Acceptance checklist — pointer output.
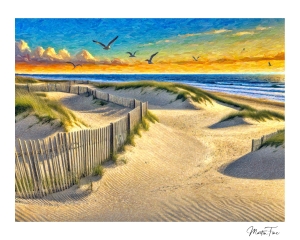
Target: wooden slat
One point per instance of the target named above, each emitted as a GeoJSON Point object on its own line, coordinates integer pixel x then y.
{"type": "Point", "coordinates": [56, 172]}
{"type": "Point", "coordinates": [24, 172]}
{"type": "Point", "coordinates": [76, 155]}
{"type": "Point", "coordinates": [67, 136]}
{"type": "Point", "coordinates": [20, 180]}
{"type": "Point", "coordinates": [82, 153]}
{"type": "Point", "coordinates": [27, 169]}
{"type": "Point", "coordinates": [32, 170]}
{"type": "Point", "coordinates": [37, 167]}
{"type": "Point", "coordinates": [47, 183]}
{"type": "Point", "coordinates": [60, 162]}
{"type": "Point", "coordinates": [63, 158]}
{"type": "Point", "coordinates": [49, 164]}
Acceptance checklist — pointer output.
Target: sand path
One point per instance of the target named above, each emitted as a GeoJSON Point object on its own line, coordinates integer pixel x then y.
{"type": "Point", "coordinates": [175, 173]}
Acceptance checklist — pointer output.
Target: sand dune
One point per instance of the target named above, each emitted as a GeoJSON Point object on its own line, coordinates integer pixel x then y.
{"type": "Point", "coordinates": [175, 172]}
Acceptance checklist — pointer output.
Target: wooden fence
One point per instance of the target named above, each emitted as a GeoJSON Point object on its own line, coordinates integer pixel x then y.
{"type": "Point", "coordinates": [56, 163]}
{"type": "Point", "coordinates": [257, 143]}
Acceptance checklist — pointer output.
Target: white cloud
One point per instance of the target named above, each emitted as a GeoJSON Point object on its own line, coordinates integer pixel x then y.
{"type": "Point", "coordinates": [38, 53]}
{"type": "Point", "coordinates": [205, 33]}
{"type": "Point", "coordinates": [190, 35]}
{"type": "Point", "coordinates": [260, 28]}
{"type": "Point", "coordinates": [64, 54]}
{"type": "Point", "coordinates": [85, 56]}
{"type": "Point", "coordinates": [218, 31]}
{"type": "Point", "coordinates": [243, 33]}
{"type": "Point", "coordinates": [22, 51]}
{"type": "Point", "coordinates": [51, 55]}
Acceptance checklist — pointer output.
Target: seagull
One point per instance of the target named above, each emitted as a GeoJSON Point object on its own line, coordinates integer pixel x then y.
{"type": "Point", "coordinates": [74, 66]}
{"type": "Point", "coordinates": [270, 64]}
{"type": "Point", "coordinates": [131, 55]}
{"type": "Point", "coordinates": [150, 60]}
{"type": "Point", "coordinates": [196, 59]}
{"type": "Point", "coordinates": [243, 50]}
{"type": "Point", "coordinates": [106, 47]}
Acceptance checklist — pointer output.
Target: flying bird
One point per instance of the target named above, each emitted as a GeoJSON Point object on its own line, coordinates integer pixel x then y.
{"type": "Point", "coordinates": [131, 55]}
{"type": "Point", "coordinates": [196, 59]}
{"type": "Point", "coordinates": [74, 65]}
{"type": "Point", "coordinates": [106, 47]}
{"type": "Point", "coordinates": [270, 64]}
{"type": "Point", "coordinates": [150, 60]}
{"type": "Point", "coordinates": [243, 50]}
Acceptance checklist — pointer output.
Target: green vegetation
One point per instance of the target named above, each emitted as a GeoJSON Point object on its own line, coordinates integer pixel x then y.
{"type": "Point", "coordinates": [258, 115]}
{"type": "Point", "coordinates": [23, 79]}
{"type": "Point", "coordinates": [151, 117]}
{"type": "Point", "coordinates": [100, 102]}
{"type": "Point", "coordinates": [275, 140]}
{"type": "Point", "coordinates": [98, 171]}
{"type": "Point", "coordinates": [44, 109]}
{"type": "Point", "coordinates": [20, 79]}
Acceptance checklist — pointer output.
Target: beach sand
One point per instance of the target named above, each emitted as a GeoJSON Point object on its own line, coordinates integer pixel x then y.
{"type": "Point", "coordinates": [187, 167]}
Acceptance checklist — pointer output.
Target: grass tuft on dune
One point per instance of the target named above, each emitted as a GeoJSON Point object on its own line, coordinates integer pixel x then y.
{"type": "Point", "coordinates": [44, 109]}
{"type": "Point", "coordinates": [257, 115]}
{"type": "Point", "coordinates": [21, 79]}
{"type": "Point", "coordinates": [275, 140]}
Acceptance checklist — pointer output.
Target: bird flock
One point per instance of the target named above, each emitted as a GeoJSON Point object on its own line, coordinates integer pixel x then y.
{"type": "Point", "coordinates": [108, 46]}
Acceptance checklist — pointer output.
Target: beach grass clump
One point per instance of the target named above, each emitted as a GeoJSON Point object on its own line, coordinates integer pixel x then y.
{"type": "Point", "coordinates": [98, 170]}
{"type": "Point", "coordinates": [145, 124]}
{"type": "Point", "coordinates": [276, 140]}
{"type": "Point", "coordinates": [100, 102]}
{"type": "Point", "coordinates": [151, 117]}
{"type": "Point", "coordinates": [44, 109]}
{"type": "Point", "coordinates": [22, 79]}
{"type": "Point", "coordinates": [257, 115]}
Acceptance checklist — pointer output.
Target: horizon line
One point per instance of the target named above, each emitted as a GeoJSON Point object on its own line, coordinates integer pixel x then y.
{"type": "Point", "coordinates": [263, 73]}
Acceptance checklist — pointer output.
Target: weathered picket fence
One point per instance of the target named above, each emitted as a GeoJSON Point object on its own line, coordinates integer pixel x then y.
{"type": "Point", "coordinates": [257, 143]}
{"type": "Point", "coordinates": [53, 164]}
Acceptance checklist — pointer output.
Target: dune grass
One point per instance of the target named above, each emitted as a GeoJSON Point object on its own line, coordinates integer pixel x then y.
{"type": "Point", "coordinates": [98, 170]}
{"type": "Point", "coordinates": [24, 79]}
{"type": "Point", "coordinates": [275, 140]}
{"type": "Point", "coordinates": [44, 109]}
{"type": "Point", "coordinates": [21, 79]}
{"type": "Point", "coordinates": [257, 115]}
{"type": "Point", "coordinates": [198, 95]}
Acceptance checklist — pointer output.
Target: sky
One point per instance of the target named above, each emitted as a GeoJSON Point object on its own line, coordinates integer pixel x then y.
{"type": "Point", "coordinates": [220, 45]}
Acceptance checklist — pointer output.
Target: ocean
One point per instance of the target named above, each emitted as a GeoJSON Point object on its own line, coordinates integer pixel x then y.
{"type": "Point", "coordinates": [267, 86]}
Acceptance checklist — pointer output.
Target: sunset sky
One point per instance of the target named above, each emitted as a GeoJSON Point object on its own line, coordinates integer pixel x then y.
{"type": "Point", "coordinates": [44, 45]}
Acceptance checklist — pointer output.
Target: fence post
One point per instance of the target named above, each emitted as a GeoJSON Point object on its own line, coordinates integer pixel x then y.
{"type": "Point", "coordinates": [128, 122]}
{"type": "Point", "coordinates": [78, 90]}
{"type": "Point", "coordinates": [112, 134]}
{"type": "Point", "coordinates": [141, 109]}
{"type": "Point", "coordinates": [28, 87]}
{"type": "Point", "coordinates": [134, 103]}
{"type": "Point", "coordinates": [108, 97]}
{"type": "Point", "coordinates": [252, 147]}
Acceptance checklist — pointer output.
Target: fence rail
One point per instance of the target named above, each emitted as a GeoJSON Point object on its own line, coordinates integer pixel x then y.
{"type": "Point", "coordinates": [257, 143]}
{"type": "Point", "coordinates": [53, 164]}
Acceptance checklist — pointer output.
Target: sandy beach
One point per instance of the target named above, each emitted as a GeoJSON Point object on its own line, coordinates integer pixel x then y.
{"type": "Point", "coordinates": [186, 168]}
